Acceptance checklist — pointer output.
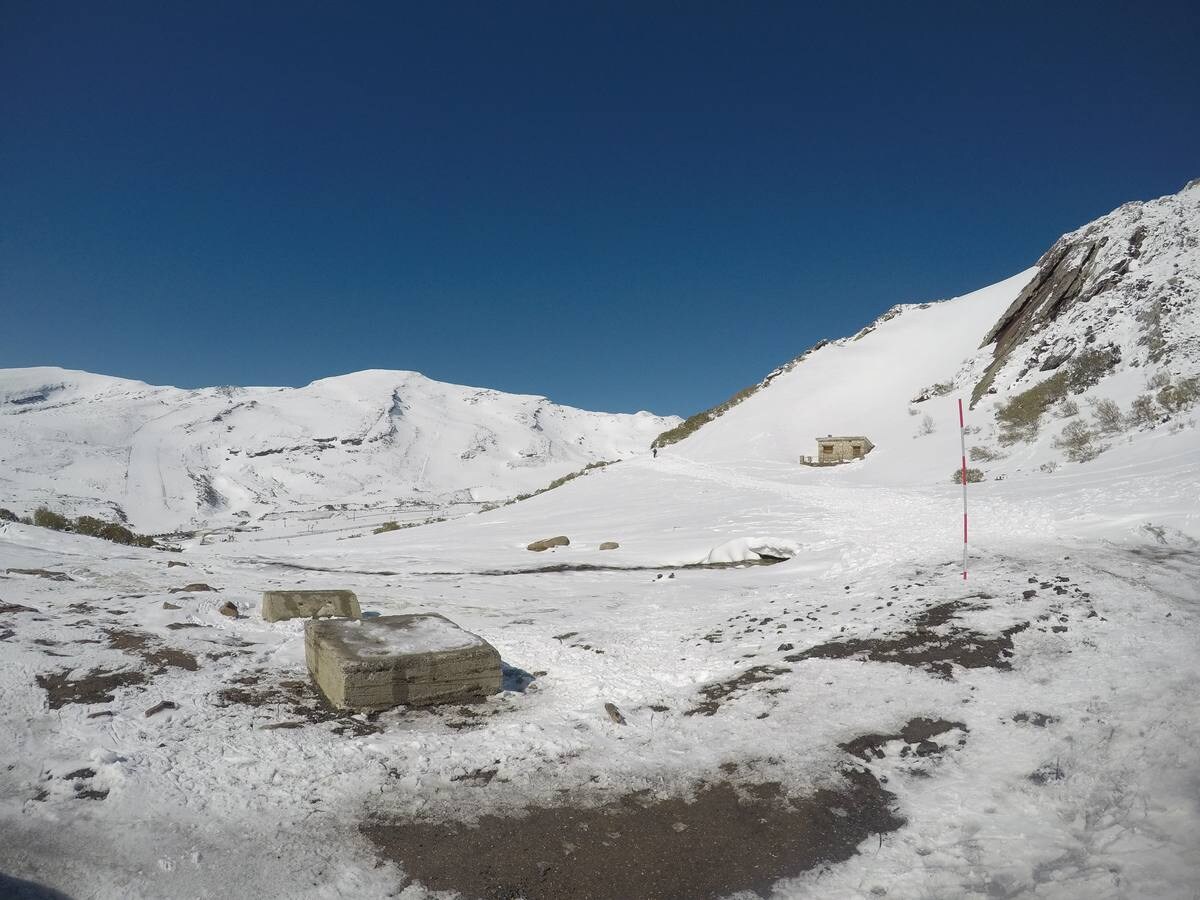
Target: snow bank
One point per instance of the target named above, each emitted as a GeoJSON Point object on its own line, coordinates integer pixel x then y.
{"type": "Point", "coordinates": [750, 549]}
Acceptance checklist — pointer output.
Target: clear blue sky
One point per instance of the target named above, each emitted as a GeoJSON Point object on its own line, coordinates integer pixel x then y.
{"type": "Point", "coordinates": [621, 206]}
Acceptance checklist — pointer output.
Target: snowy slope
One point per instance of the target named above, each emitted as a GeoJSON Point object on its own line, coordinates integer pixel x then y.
{"type": "Point", "coordinates": [863, 385]}
{"type": "Point", "coordinates": [167, 458]}
{"type": "Point", "coordinates": [1125, 288]}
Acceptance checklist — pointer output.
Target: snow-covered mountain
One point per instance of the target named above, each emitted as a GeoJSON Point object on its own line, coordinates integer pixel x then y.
{"type": "Point", "coordinates": [164, 458]}
{"type": "Point", "coordinates": [1110, 314]}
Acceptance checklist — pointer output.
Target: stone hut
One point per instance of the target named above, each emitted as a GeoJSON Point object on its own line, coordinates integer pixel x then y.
{"type": "Point", "coordinates": [835, 449]}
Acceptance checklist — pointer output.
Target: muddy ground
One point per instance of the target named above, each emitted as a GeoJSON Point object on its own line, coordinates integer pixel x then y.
{"type": "Point", "coordinates": [727, 838]}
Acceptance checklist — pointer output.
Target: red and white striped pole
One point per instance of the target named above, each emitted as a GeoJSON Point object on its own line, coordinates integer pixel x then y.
{"type": "Point", "coordinates": [962, 434]}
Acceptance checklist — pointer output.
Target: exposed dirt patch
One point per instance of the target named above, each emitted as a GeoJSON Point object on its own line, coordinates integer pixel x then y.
{"type": "Point", "coordinates": [148, 648]}
{"type": "Point", "coordinates": [719, 692]}
{"type": "Point", "coordinates": [96, 686]}
{"type": "Point", "coordinates": [1036, 719]}
{"type": "Point", "coordinates": [918, 734]}
{"type": "Point", "coordinates": [15, 608]}
{"type": "Point", "coordinates": [931, 643]}
{"type": "Point", "coordinates": [40, 573]}
{"type": "Point", "coordinates": [1047, 773]}
{"type": "Point", "coordinates": [480, 776]}
{"type": "Point", "coordinates": [723, 841]}
{"type": "Point", "coordinates": [295, 698]}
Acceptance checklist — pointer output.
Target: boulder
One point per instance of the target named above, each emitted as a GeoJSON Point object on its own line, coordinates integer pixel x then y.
{"type": "Point", "coordinates": [546, 543]}
{"type": "Point", "coordinates": [228, 609]}
{"type": "Point", "coordinates": [412, 660]}
{"type": "Point", "coordinates": [280, 605]}
{"type": "Point", "coordinates": [610, 545]}
{"type": "Point", "coordinates": [193, 588]}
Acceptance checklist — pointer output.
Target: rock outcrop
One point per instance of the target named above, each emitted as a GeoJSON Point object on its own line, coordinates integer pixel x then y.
{"type": "Point", "coordinates": [546, 543]}
{"type": "Point", "coordinates": [1130, 277]}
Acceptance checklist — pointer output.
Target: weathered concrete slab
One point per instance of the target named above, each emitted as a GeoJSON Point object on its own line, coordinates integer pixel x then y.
{"type": "Point", "coordinates": [280, 605]}
{"type": "Point", "coordinates": [411, 660]}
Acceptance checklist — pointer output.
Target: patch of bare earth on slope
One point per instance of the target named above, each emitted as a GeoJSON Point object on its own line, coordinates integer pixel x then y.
{"type": "Point", "coordinates": [98, 685]}
{"type": "Point", "coordinates": [933, 642]}
{"type": "Point", "coordinates": [294, 702]}
{"type": "Point", "coordinates": [719, 692]}
{"type": "Point", "coordinates": [724, 839]}
{"type": "Point", "coordinates": [94, 686]}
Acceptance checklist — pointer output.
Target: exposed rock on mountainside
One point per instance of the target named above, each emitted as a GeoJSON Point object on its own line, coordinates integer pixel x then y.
{"type": "Point", "coordinates": [1105, 329]}
{"type": "Point", "coordinates": [1130, 278]}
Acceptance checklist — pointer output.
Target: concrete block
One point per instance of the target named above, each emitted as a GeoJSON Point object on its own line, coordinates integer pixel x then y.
{"type": "Point", "coordinates": [411, 660]}
{"type": "Point", "coordinates": [280, 605]}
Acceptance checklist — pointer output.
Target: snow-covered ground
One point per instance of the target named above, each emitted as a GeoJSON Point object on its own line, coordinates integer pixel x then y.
{"type": "Point", "coordinates": [206, 799]}
{"type": "Point", "coordinates": [1063, 668]}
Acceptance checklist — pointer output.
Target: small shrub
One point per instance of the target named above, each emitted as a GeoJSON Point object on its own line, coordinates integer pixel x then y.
{"type": "Point", "coordinates": [45, 518]}
{"type": "Point", "coordinates": [972, 429]}
{"type": "Point", "coordinates": [559, 482]}
{"type": "Point", "coordinates": [913, 411]}
{"type": "Point", "coordinates": [692, 423]}
{"type": "Point", "coordinates": [1181, 395]}
{"type": "Point", "coordinates": [985, 454]}
{"type": "Point", "coordinates": [88, 525]}
{"type": "Point", "coordinates": [1079, 442]}
{"type": "Point", "coordinates": [1152, 335]}
{"type": "Point", "coordinates": [974, 476]}
{"type": "Point", "coordinates": [387, 526]}
{"type": "Point", "coordinates": [1048, 467]}
{"type": "Point", "coordinates": [1066, 409]}
{"type": "Point", "coordinates": [941, 389]}
{"type": "Point", "coordinates": [1021, 417]}
{"type": "Point", "coordinates": [1107, 415]}
{"type": "Point", "coordinates": [927, 426]}
{"type": "Point", "coordinates": [118, 534]}
{"type": "Point", "coordinates": [1157, 380]}
{"type": "Point", "coordinates": [1143, 412]}
{"type": "Point", "coordinates": [1089, 366]}
{"type": "Point", "coordinates": [7, 515]}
